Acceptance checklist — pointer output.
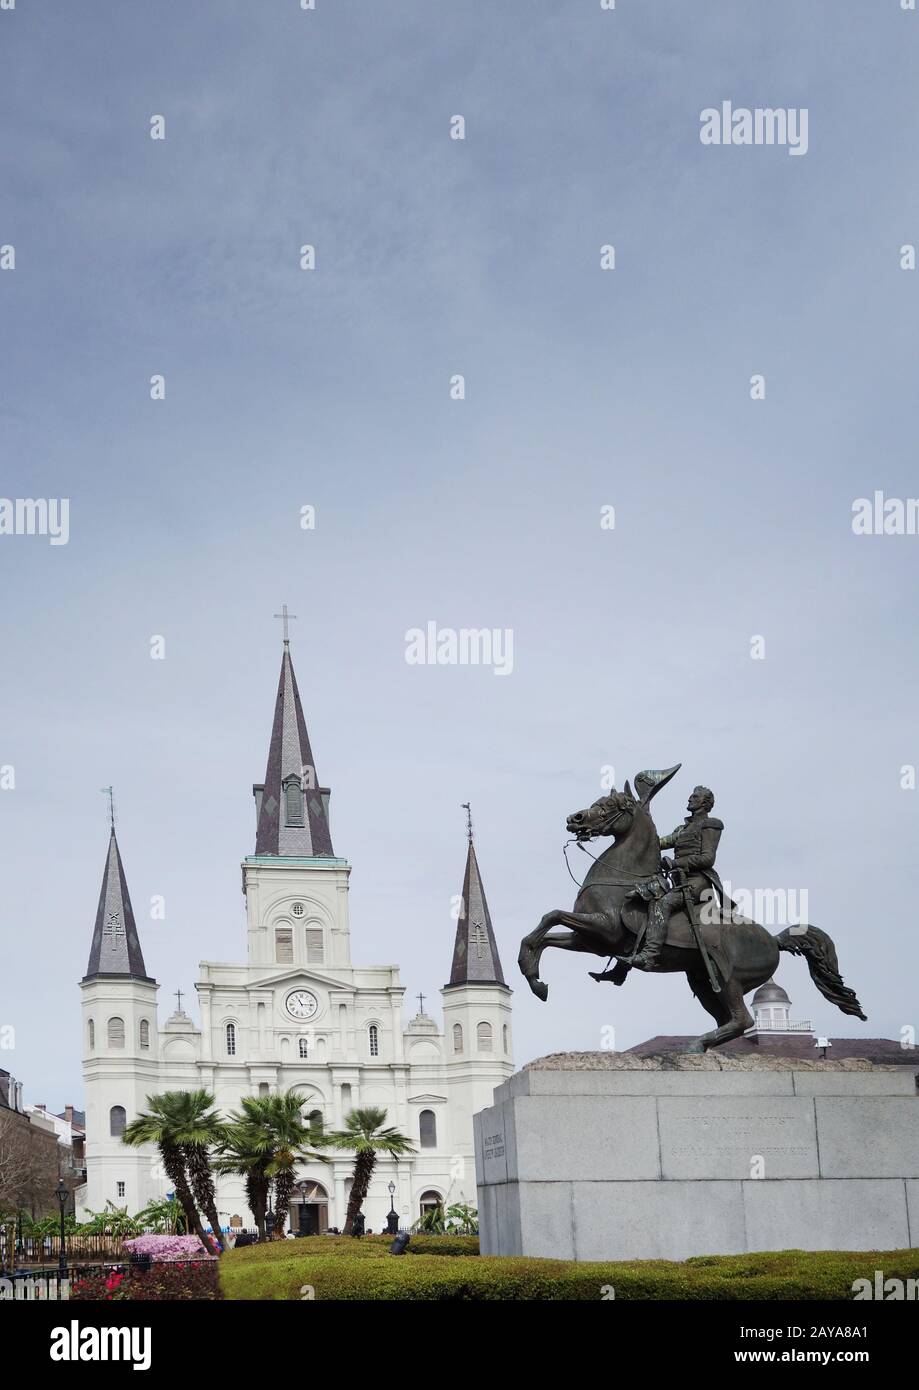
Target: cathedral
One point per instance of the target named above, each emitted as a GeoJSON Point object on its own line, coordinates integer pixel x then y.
{"type": "Point", "coordinates": [295, 1014]}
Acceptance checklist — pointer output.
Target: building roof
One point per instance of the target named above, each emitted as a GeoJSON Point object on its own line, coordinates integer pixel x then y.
{"type": "Point", "coordinates": [475, 951]}
{"type": "Point", "coordinates": [885, 1050]}
{"type": "Point", "coordinates": [290, 756]}
{"type": "Point", "coordinates": [115, 948]}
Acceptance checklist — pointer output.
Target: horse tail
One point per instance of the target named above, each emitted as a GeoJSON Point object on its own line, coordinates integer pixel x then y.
{"type": "Point", "coordinates": [818, 950]}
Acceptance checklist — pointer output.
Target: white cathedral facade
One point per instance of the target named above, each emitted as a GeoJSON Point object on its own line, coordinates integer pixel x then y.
{"type": "Point", "coordinates": [295, 1014]}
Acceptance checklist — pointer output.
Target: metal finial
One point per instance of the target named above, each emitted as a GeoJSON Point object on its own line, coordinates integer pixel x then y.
{"type": "Point", "coordinates": [109, 792]}
{"type": "Point", "coordinates": [468, 809]}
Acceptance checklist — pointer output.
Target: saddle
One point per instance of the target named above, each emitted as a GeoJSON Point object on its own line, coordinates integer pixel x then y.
{"type": "Point", "coordinates": [634, 915]}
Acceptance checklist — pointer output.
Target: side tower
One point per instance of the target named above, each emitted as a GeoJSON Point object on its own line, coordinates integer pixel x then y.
{"type": "Point", "coordinates": [120, 1048]}
{"type": "Point", "coordinates": [477, 1015]}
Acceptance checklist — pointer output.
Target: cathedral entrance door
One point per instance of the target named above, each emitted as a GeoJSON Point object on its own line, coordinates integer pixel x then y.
{"type": "Point", "coordinates": [312, 1212]}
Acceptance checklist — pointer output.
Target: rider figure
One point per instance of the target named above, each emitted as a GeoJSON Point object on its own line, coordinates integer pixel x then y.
{"type": "Point", "coordinates": [695, 844]}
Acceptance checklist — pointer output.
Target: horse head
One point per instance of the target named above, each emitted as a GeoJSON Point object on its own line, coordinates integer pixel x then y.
{"type": "Point", "coordinates": [616, 813]}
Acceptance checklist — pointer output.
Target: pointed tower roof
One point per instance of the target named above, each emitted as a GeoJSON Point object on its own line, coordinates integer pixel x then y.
{"type": "Point", "coordinates": [116, 945]}
{"type": "Point", "coordinates": [284, 826]}
{"type": "Point", "coordinates": [475, 952]}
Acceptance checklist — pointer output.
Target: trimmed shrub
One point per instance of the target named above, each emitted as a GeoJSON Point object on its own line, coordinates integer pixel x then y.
{"type": "Point", "coordinates": [342, 1274]}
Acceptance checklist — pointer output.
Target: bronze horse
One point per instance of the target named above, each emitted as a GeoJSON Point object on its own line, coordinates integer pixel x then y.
{"type": "Point", "coordinates": [607, 915]}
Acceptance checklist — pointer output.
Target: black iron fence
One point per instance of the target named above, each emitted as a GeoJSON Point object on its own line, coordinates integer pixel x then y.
{"type": "Point", "coordinates": [37, 1285]}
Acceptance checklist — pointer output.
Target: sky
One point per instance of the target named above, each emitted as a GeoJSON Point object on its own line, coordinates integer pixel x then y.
{"type": "Point", "coordinates": [730, 619]}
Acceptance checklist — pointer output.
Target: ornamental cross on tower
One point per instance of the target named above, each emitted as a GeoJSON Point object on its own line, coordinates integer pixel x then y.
{"type": "Point", "coordinates": [109, 792]}
{"type": "Point", "coordinates": [286, 618]}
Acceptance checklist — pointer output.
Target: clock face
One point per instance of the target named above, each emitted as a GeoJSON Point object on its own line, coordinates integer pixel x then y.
{"type": "Point", "coordinates": [300, 1003]}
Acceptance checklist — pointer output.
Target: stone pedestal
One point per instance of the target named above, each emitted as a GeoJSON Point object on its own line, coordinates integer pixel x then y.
{"type": "Point", "coordinates": [607, 1156]}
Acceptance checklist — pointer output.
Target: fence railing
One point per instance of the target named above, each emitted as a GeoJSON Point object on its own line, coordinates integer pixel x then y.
{"type": "Point", "coordinates": [46, 1285]}
{"type": "Point", "coordinates": [45, 1250]}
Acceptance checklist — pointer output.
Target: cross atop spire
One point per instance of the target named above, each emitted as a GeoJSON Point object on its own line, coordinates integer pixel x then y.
{"type": "Point", "coordinates": [110, 793]}
{"type": "Point", "coordinates": [291, 807]}
{"type": "Point", "coordinates": [475, 952]}
{"type": "Point", "coordinates": [115, 948]}
{"type": "Point", "coordinates": [286, 617]}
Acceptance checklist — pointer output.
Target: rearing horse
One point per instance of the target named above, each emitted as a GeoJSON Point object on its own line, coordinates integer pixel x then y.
{"type": "Point", "coordinates": [607, 916]}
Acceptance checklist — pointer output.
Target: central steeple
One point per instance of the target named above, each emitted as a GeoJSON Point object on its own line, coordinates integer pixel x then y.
{"type": "Point", "coordinates": [292, 808]}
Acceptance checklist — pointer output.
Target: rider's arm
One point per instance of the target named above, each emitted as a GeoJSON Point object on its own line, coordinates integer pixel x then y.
{"type": "Point", "coordinates": [668, 841]}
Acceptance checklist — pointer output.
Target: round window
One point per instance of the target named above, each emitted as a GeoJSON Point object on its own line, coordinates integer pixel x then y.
{"type": "Point", "coordinates": [298, 909]}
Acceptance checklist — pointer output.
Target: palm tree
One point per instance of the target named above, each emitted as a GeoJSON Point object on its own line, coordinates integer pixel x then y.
{"type": "Point", "coordinates": [290, 1136]}
{"type": "Point", "coordinates": [364, 1134]}
{"type": "Point", "coordinates": [243, 1153]}
{"type": "Point", "coordinates": [265, 1140]}
{"type": "Point", "coordinates": [182, 1125]}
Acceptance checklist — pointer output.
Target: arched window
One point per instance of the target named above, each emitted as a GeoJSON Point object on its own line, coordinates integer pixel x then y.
{"type": "Point", "coordinates": [314, 1120]}
{"type": "Point", "coordinates": [315, 946]}
{"type": "Point", "coordinates": [427, 1129]}
{"type": "Point", "coordinates": [284, 945]}
{"type": "Point", "coordinates": [231, 1039]}
{"type": "Point", "coordinates": [116, 1121]}
{"type": "Point", "coordinates": [484, 1037]}
{"type": "Point", "coordinates": [303, 1047]}
{"type": "Point", "coordinates": [457, 1037]}
{"type": "Point", "coordinates": [506, 1049]}
{"type": "Point", "coordinates": [116, 1032]}
{"type": "Point", "coordinates": [430, 1201]}
{"type": "Point", "coordinates": [293, 800]}
{"type": "Point", "coordinates": [144, 1033]}
{"type": "Point", "coordinates": [373, 1035]}
{"type": "Point", "coordinates": [92, 1035]}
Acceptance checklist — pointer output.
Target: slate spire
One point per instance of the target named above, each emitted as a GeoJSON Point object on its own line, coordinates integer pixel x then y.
{"type": "Point", "coordinates": [291, 807]}
{"type": "Point", "coordinates": [475, 952]}
{"type": "Point", "coordinates": [115, 948]}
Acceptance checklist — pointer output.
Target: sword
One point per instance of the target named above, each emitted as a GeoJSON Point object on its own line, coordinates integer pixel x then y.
{"type": "Point", "coordinates": [690, 909]}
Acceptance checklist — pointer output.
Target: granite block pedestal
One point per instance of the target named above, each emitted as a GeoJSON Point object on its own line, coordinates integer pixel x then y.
{"type": "Point", "coordinates": [611, 1156]}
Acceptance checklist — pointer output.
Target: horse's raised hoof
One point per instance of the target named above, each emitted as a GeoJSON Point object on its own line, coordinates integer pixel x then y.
{"type": "Point", "coordinates": [539, 988]}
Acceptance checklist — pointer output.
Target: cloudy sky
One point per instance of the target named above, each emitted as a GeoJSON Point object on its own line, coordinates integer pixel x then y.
{"type": "Point", "coordinates": [585, 389]}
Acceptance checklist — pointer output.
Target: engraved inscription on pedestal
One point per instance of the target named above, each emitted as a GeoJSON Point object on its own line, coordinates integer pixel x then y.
{"type": "Point", "coordinates": [731, 1137]}
{"type": "Point", "coordinates": [494, 1148]}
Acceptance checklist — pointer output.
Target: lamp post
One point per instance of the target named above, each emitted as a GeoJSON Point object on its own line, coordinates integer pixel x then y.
{"type": "Point", "coordinates": [302, 1187]}
{"type": "Point", "coordinates": [62, 1194]}
{"type": "Point", "coordinates": [392, 1219]}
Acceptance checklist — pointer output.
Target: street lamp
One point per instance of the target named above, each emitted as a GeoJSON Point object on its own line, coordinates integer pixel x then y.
{"type": "Point", "coordinates": [62, 1194]}
{"type": "Point", "coordinates": [392, 1220]}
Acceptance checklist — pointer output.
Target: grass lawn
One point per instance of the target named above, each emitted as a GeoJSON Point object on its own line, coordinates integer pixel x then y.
{"type": "Point", "coordinates": [447, 1268]}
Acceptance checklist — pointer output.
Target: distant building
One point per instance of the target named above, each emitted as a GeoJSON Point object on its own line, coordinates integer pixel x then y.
{"type": "Point", "coordinates": [32, 1160]}
{"type": "Point", "coordinates": [776, 1033]}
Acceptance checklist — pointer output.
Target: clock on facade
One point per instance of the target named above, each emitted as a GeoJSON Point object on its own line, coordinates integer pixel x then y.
{"type": "Point", "coordinates": [301, 1003]}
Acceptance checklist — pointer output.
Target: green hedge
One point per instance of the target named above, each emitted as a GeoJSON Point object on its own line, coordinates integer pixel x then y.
{"type": "Point", "coordinates": [356, 1270]}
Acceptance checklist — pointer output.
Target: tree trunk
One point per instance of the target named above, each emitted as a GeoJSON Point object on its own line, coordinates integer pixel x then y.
{"type": "Point", "coordinates": [202, 1181]}
{"type": "Point", "coordinates": [283, 1187]}
{"type": "Point", "coordinates": [257, 1197]}
{"type": "Point", "coordinates": [175, 1171]}
{"type": "Point", "coordinates": [364, 1165]}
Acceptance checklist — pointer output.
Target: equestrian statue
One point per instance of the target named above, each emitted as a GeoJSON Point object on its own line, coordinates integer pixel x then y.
{"type": "Point", "coordinates": [669, 915]}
